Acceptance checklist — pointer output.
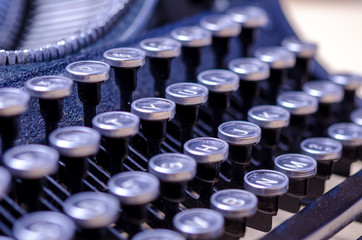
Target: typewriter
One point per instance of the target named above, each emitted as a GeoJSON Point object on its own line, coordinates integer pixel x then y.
{"type": "Point", "coordinates": [217, 126]}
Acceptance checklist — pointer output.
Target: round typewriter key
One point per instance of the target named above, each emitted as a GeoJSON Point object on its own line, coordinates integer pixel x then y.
{"type": "Point", "coordinates": [154, 234]}
{"type": "Point", "coordinates": [199, 223]}
{"type": "Point", "coordinates": [251, 71]}
{"type": "Point", "coordinates": [267, 185]}
{"type": "Point", "coordinates": [13, 102]}
{"type": "Point", "coordinates": [89, 75]}
{"type": "Point", "coordinates": [358, 97]}
{"type": "Point", "coordinates": [125, 63]}
{"type": "Point", "coordinates": [5, 181]}
{"type": "Point", "coordinates": [188, 98]}
{"type": "Point", "coordinates": [173, 170]}
{"type": "Point", "coordinates": [134, 190]}
{"type": "Point", "coordinates": [44, 225]}
{"type": "Point", "coordinates": [221, 84]}
{"type": "Point", "coordinates": [222, 28]}
{"type": "Point", "coordinates": [116, 129]}
{"type": "Point", "coordinates": [160, 51]}
{"type": "Point", "coordinates": [75, 144]}
{"type": "Point", "coordinates": [192, 39]}
{"type": "Point", "coordinates": [236, 206]}
{"type": "Point", "coordinates": [356, 116]}
{"type": "Point", "coordinates": [251, 19]}
{"type": "Point", "coordinates": [50, 90]}
{"type": "Point", "coordinates": [154, 114]}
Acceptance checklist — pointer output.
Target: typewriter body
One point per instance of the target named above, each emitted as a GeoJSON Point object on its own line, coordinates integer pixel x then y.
{"type": "Point", "coordinates": [195, 101]}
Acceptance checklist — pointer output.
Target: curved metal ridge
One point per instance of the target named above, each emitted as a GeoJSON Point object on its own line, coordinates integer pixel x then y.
{"type": "Point", "coordinates": [85, 35]}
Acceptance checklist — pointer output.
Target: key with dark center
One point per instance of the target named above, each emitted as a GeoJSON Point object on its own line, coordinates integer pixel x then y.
{"type": "Point", "coordinates": [29, 165]}
{"type": "Point", "coordinates": [134, 190]}
{"type": "Point", "coordinates": [199, 223]}
{"type": "Point", "coordinates": [154, 234]}
{"type": "Point", "coordinates": [350, 83]}
{"type": "Point", "coordinates": [280, 60]}
{"type": "Point", "coordinates": [328, 94]}
{"type": "Point", "coordinates": [89, 76]}
{"type": "Point", "coordinates": [50, 90]}
{"type": "Point", "coordinates": [326, 151]}
{"type": "Point", "coordinates": [271, 119]}
{"type": "Point", "coordinates": [93, 212]}
{"type": "Point", "coordinates": [192, 39]}
{"type": "Point", "coordinates": [222, 28]}
{"type": "Point", "coordinates": [350, 136]}
{"type": "Point", "coordinates": [125, 63]}
{"type": "Point", "coordinates": [44, 225]}
{"type": "Point", "coordinates": [300, 106]}
{"type": "Point", "coordinates": [236, 206]}
{"type": "Point", "coordinates": [299, 168]}
{"type": "Point", "coordinates": [304, 53]}
{"type": "Point", "coordinates": [154, 114]}
{"type": "Point", "coordinates": [188, 98]}
{"type": "Point", "coordinates": [174, 170]}
{"type": "Point", "coordinates": [160, 52]}
{"type": "Point", "coordinates": [5, 181]}
{"type": "Point", "coordinates": [241, 137]}
{"type": "Point", "coordinates": [209, 153]}
{"type": "Point", "coordinates": [116, 129]}
{"type": "Point", "coordinates": [251, 19]}
{"type": "Point", "coordinates": [268, 186]}
{"type": "Point", "coordinates": [75, 144]}
{"type": "Point", "coordinates": [251, 72]}
{"type": "Point", "coordinates": [13, 102]}
{"type": "Point", "coordinates": [221, 84]}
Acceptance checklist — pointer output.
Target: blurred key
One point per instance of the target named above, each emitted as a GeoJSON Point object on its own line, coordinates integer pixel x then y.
{"type": "Point", "coordinates": [125, 63]}
{"type": "Point", "coordinates": [221, 84]}
{"type": "Point", "coordinates": [154, 234]}
{"type": "Point", "coordinates": [50, 90]}
{"type": "Point", "coordinates": [93, 212]}
{"type": "Point", "coordinates": [188, 98]}
{"type": "Point", "coordinates": [236, 206]}
{"type": "Point", "coordinates": [222, 28]}
{"type": "Point", "coordinates": [5, 181]}
{"type": "Point", "coordinates": [356, 116]}
{"type": "Point", "coordinates": [199, 223]}
{"type": "Point", "coordinates": [13, 102]}
{"type": "Point", "coordinates": [251, 19]}
{"type": "Point", "coordinates": [154, 114]}
{"type": "Point", "coordinates": [192, 39]}
{"type": "Point", "coordinates": [116, 129]}
{"type": "Point", "coordinates": [251, 72]}
{"type": "Point", "coordinates": [44, 225]}
{"type": "Point", "coordinates": [75, 144]}
{"type": "Point", "coordinates": [160, 52]}
{"type": "Point", "coordinates": [89, 76]}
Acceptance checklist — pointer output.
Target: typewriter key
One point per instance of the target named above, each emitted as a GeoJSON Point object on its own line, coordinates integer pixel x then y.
{"type": "Point", "coordinates": [192, 39]}
{"type": "Point", "coordinates": [116, 129]}
{"type": "Point", "coordinates": [154, 114]}
{"type": "Point", "coordinates": [50, 90]}
{"type": "Point", "coordinates": [222, 28]}
{"type": "Point", "coordinates": [13, 102]}
{"type": "Point", "coordinates": [251, 19]}
{"type": "Point", "coordinates": [251, 71]}
{"type": "Point", "coordinates": [31, 163]}
{"type": "Point", "coordinates": [154, 234]}
{"type": "Point", "coordinates": [44, 225]}
{"type": "Point", "coordinates": [89, 75]}
{"type": "Point", "coordinates": [188, 98]}
{"type": "Point", "coordinates": [350, 136]}
{"type": "Point", "coordinates": [75, 144]}
{"type": "Point", "coordinates": [199, 223]}
{"type": "Point", "coordinates": [304, 52]}
{"type": "Point", "coordinates": [221, 84]}
{"type": "Point", "coordinates": [280, 61]}
{"type": "Point", "coordinates": [299, 169]}
{"type": "Point", "coordinates": [236, 206]}
{"type": "Point", "coordinates": [160, 51]}
{"type": "Point", "coordinates": [356, 116]}
{"type": "Point", "coordinates": [5, 181]}
{"type": "Point", "coordinates": [125, 63]}
{"type": "Point", "coordinates": [6, 238]}
{"type": "Point", "coordinates": [134, 190]}
{"type": "Point", "coordinates": [93, 212]}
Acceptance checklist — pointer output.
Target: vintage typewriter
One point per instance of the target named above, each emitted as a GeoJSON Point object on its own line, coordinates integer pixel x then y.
{"type": "Point", "coordinates": [209, 127]}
